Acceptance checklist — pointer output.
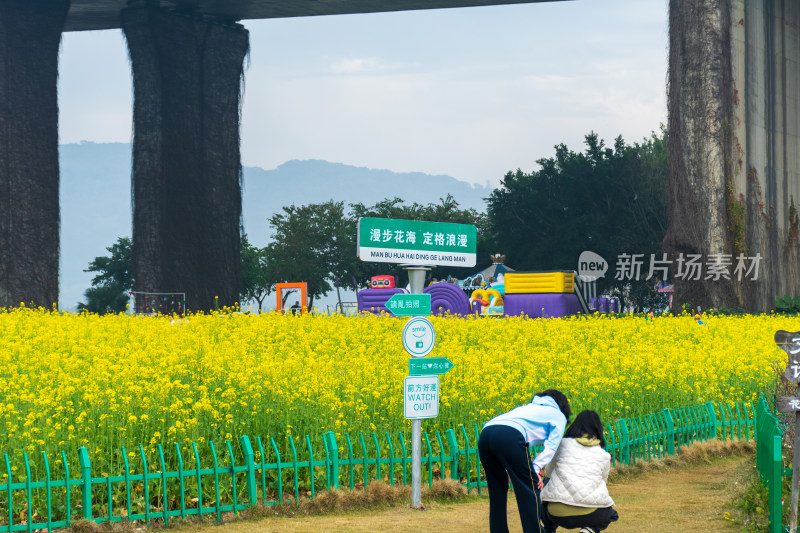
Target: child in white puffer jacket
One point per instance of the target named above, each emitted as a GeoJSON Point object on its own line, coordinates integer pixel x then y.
{"type": "Point", "coordinates": [576, 496]}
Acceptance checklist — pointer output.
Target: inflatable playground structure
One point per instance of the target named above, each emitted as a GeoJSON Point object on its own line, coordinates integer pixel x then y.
{"type": "Point", "coordinates": [539, 294]}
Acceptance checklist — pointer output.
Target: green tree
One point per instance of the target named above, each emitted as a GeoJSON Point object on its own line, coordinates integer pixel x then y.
{"type": "Point", "coordinates": [114, 279]}
{"type": "Point", "coordinates": [610, 200]}
{"type": "Point", "coordinates": [313, 243]}
{"type": "Point", "coordinates": [257, 277]}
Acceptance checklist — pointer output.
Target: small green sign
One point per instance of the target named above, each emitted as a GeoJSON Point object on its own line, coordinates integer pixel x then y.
{"type": "Point", "coordinates": [409, 304]}
{"type": "Point", "coordinates": [429, 366]}
{"type": "Point", "coordinates": [419, 337]}
{"type": "Point", "coordinates": [415, 242]}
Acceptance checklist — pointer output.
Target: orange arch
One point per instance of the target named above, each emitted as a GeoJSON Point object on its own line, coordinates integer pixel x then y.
{"type": "Point", "coordinates": [303, 286]}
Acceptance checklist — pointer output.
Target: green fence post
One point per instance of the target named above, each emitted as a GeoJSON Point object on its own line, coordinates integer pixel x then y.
{"type": "Point", "coordinates": [127, 476]}
{"type": "Point", "coordinates": [334, 453]}
{"type": "Point", "coordinates": [327, 461]}
{"type": "Point", "coordinates": [146, 486]}
{"type": "Point", "coordinates": [218, 502]}
{"type": "Point", "coordinates": [351, 461]}
{"type": "Point", "coordinates": [363, 458]}
{"type": "Point", "coordinates": [263, 469]}
{"type": "Point", "coordinates": [377, 456]}
{"type": "Point", "coordinates": [723, 422]}
{"type": "Point", "coordinates": [233, 478]}
{"type": "Point", "coordinates": [453, 444]}
{"type": "Point", "coordinates": [681, 428]}
{"type": "Point", "coordinates": [199, 481]}
{"type": "Point", "coordinates": [652, 436]}
{"type": "Point", "coordinates": [391, 459]}
{"type": "Point", "coordinates": [10, 495]}
{"type": "Point", "coordinates": [746, 421]}
{"type": "Point", "coordinates": [712, 420]}
{"type": "Point", "coordinates": [280, 471]}
{"type": "Point", "coordinates": [688, 411]}
{"type": "Point", "coordinates": [86, 475]}
{"type": "Point", "coordinates": [49, 499]}
{"type": "Point", "coordinates": [466, 457]}
{"type": "Point", "coordinates": [730, 420]}
{"type": "Point", "coordinates": [28, 491]}
{"type": "Point", "coordinates": [625, 442]}
{"type": "Point", "coordinates": [636, 438]}
{"type": "Point", "coordinates": [670, 432]}
{"type": "Point", "coordinates": [430, 458]}
{"type": "Point", "coordinates": [181, 484]}
{"type": "Point", "coordinates": [404, 454]}
{"type": "Point", "coordinates": [163, 484]}
{"type": "Point", "coordinates": [655, 435]}
{"type": "Point", "coordinates": [249, 462]}
{"type": "Point", "coordinates": [68, 503]}
{"type": "Point", "coordinates": [775, 500]}
{"type": "Point", "coordinates": [311, 466]}
{"type": "Point", "coordinates": [441, 454]}
{"type": "Point", "coordinates": [612, 445]}
{"type": "Point", "coordinates": [294, 464]}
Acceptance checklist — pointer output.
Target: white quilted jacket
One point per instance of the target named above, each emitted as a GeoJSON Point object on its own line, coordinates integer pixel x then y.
{"type": "Point", "coordinates": [578, 475]}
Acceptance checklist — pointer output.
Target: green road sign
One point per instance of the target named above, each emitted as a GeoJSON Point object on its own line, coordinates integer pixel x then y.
{"type": "Point", "coordinates": [429, 366]}
{"type": "Point", "coordinates": [409, 304]}
{"type": "Point", "coordinates": [414, 242]}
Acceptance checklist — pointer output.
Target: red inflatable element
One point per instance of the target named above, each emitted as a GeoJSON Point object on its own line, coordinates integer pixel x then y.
{"type": "Point", "coordinates": [382, 282]}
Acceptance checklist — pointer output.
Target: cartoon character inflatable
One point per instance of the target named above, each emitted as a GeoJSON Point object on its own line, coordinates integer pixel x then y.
{"type": "Point", "coordinates": [486, 301]}
{"type": "Point", "coordinates": [382, 282]}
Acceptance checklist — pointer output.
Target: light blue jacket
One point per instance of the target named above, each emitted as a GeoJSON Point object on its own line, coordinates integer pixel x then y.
{"type": "Point", "coordinates": [540, 421]}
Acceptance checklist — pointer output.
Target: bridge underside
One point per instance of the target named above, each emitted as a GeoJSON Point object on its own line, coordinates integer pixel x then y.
{"type": "Point", "coordinates": [105, 14]}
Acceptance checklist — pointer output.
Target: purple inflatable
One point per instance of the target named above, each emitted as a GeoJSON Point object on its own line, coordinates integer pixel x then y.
{"type": "Point", "coordinates": [447, 299]}
{"type": "Point", "coordinates": [374, 300]}
{"type": "Point", "coordinates": [541, 305]}
{"type": "Point", "coordinates": [477, 307]}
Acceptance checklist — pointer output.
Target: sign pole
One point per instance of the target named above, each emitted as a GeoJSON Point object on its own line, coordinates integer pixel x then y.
{"type": "Point", "coordinates": [416, 280]}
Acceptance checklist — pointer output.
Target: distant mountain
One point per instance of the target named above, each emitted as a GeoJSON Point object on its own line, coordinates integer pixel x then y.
{"type": "Point", "coordinates": [314, 181]}
{"type": "Point", "coordinates": [96, 200]}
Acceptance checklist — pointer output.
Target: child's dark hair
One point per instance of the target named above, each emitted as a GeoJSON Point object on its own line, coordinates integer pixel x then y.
{"type": "Point", "coordinates": [560, 399]}
{"type": "Point", "coordinates": [587, 424]}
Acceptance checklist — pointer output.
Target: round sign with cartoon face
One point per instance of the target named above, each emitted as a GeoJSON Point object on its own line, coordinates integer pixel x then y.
{"type": "Point", "coordinates": [419, 337]}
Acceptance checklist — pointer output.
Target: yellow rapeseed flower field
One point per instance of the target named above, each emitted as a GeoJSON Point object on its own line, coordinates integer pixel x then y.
{"type": "Point", "coordinates": [69, 380]}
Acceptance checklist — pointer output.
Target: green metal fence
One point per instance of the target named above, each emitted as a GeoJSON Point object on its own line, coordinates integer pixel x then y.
{"type": "Point", "coordinates": [769, 461]}
{"type": "Point", "coordinates": [256, 472]}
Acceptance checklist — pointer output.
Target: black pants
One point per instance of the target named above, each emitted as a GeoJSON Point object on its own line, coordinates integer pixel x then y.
{"type": "Point", "coordinates": [504, 454]}
{"type": "Point", "coordinates": [599, 519]}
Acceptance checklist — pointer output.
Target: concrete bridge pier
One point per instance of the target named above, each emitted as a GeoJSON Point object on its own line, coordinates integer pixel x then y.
{"type": "Point", "coordinates": [30, 35]}
{"type": "Point", "coordinates": [734, 140]}
{"type": "Point", "coordinates": [186, 186]}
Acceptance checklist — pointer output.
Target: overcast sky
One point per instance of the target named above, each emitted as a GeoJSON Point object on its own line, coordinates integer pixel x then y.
{"type": "Point", "coordinates": [471, 93]}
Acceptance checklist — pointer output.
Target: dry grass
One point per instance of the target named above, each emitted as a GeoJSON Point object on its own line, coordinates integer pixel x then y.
{"type": "Point", "coordinates": [698, 453]}
{"type": "Point", "coordinates": [86, 526]}
{"type": "Point", "coordinates": [378, 495]}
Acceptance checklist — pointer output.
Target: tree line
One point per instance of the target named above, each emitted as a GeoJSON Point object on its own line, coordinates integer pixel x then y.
{"type": "Point", "coordinates": [606, 199]}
